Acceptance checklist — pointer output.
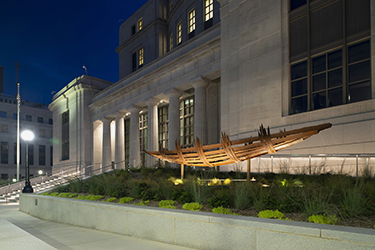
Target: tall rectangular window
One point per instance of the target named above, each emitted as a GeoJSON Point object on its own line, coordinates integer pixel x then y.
{"type": "Point", "coordinates": [179, 33]}
{"type": "Point", "coordinates": [50, 121]}
{"type": "Point", "coordinates": [4, 128]}
{"type": "Point", "coordinates": [127, 141]}
{"type": "Point", "coordinates": [4, 152]}
{"type": "Point", "coordinates": [15, 116]}
{"type": "Point", "coordinates": [329, 53]}
{"type": "Point", "coordinates": [192, 23]}
{"type": "Point", "coordinates": [28, 118]}
{"type": "Point", "coordinates": [143, 125]}
{"type": "Point", "coordinates": [208, 13]}
{"type": "Point", "coordinates": [132, 30]}
{"type": "Point", "coordinates": [65, 135]}
{"type": "Point", "coordinates": [51, 156]}
{"type": "Point", "coordinates": [42, 155]}
{"type": "Point", "coordinates": [140, 24]}
{"type": "Point", "coordinates": [171, 42]}
{"type": "Point", "coordinates": [163, 120]}
{"type": "Point", "coordinates": [140, 58]}
{"type": "Point", "coordinates": [134, 61]}
{"type": "Point", "coordinates": [187, 122]}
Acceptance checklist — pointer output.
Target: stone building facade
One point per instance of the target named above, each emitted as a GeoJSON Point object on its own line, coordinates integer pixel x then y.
{"type": "Point", "coordinates": [196, 68]}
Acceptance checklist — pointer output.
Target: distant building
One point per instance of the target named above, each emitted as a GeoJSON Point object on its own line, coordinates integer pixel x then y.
{"type": "Point", "coordinates": [35, 117]}
{"type": "Point", "coordinates": [195, 68]}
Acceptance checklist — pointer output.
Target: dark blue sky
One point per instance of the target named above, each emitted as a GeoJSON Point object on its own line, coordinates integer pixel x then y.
{"type": "Point", "coordinates": [51, 40]}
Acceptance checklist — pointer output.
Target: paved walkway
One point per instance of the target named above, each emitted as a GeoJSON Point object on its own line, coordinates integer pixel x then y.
{"type": "Point", "coordinates": [22, 231]}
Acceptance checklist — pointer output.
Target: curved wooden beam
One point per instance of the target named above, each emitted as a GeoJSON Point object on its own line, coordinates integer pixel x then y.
{"type": "Point", "coordinates": [227, 147]}
{"type": "Point", "coordinates": [200, 152]}
{"type": "Point", "coordinates": [179, 153]}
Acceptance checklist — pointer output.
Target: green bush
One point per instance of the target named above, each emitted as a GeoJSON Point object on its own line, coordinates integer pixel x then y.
{"type": "Point", "coordinates": [54, 194]}
{"type": "Point", "coordinates": [269, 214]}
{"type": "Point", "coordinates": [167, 204]}
{"type": "Point", "coordinates": [241, 195]}
{"type": "Point", "coordinates": [125, 200]}
{"type": "Point", "coordinates": [141, 203]}
{"type": "Point", "coordinates": [193, 206]}
{"type": "Point", "coordinates": [112, 199]}
{"type": "Point", "coordinates": [323, 219]}
{"type": "Point", "coordinates": [182, 195]}
{"type": "Point", "coordinates": [221, 210]}
{"type": "Point", "coordinates": [63, 195]}
{"type": "Point", "coordinates": [73, 195]}
{"type": "Point", "coordinates": [222, 199]}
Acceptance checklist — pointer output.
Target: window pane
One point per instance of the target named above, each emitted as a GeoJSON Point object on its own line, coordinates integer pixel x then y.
{"type": "Point", "coordinates": [335, 97]}
{"type": "Point", "coordinates": [299, 70]}
{"type": "Point", "coordinates": [299, 105]}
{"type": "Point", "coordinates": [296, 3]}
{"type": "Point", "coordinates": [299, 87]}
{"type": "Point", "coordinates": [359, 71]}
{"type": "Point", "coordinates": [319, 64]}
{"type": "Point", "coordinates": [359, 92]}
{"type": "Point", "coordinates": [319, 82]}
{"type": "Point", "coordinates": [359, 52]}
{"type": "Point", "coordinates": [334, 59]}
{"type": "Point", "coordinates": [319, 100]}
{"type": "Point", "coordinates": [335, 78]}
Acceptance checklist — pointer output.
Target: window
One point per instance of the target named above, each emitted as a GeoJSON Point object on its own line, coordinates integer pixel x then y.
{"type": "Point", "coordinates": [171, 42]}
{"type": "Point", "coordinates": [143, 124]}
{"type": "Point", "coordinates": [4, 176]}
{"type": "Point", "coordinates": [40, 119]}
{"type": "Point", "coordinates": [163, 120]}
{"type": "Point", "coordinates": [28, 118]}
{"type": "Point", "coordinates": [3, 114]}
{"type": "Point", "coordinates": [334, 70]}
{"type": "Point", "coordinates": [4, 152]}
{"type": "Point", "coordinates": [133, 29]}
{"type": "Point", "coordinates": [127, 141]}
{"type": "Point", "coordinates": [187, 122]}
{"type": "Point", "coordinates": [134, 62]}
{"type": "Point", "coordinates": [140, 58]}
{"type": "Point", "coordinates": [50, 121]}
{"type": "Point", "coordinates": [31, 154]}
{"type": "Point", "coordinates": [65, 135]}
{"type": "Point", "coordinates": [4, 128]}
{"type": "Point", "coordinates": [42, 133]}
{"type": "Point", "coordinates": [51, 156]}
{"type": "Point", "coordinates": [15, 116]}
{"type": "Point", "coordinates": [139, 24]}
{"type": "Point", "coordinates": [15, 153]}
{"type": "Point", "coordinates": [42, 155]}
{"type": "Point", "coordinates": [192, 23]}
{"type": "Point", "coordinates": [208, 13]}
{"type": "Point", "coordinates": [179, 33]}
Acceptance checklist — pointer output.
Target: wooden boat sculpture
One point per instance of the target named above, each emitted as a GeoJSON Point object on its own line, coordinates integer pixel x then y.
{"type": "Point", "coordinates": [227, 151]}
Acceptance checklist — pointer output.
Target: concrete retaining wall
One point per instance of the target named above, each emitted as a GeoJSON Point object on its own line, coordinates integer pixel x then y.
{"type": "Point", "coordinates": [196, 229]}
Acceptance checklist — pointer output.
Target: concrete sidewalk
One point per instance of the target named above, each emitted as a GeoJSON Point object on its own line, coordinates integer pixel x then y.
{"type": "Point", "coordinates": [22, 231]}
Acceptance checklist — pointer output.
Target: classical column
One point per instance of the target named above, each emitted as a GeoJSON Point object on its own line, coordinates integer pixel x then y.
{"type": "Point", "coordinates": [152, 133]}
{"type": "Point", "coordinates": [106, 146]}
{"type": "Point", "coordinates": [174, 118]}
{"type": "Point", "coordinates": [120, 142]}
{"type": "Point", "coordinates": [200, 129]}
{"type": "Point", "coordinates": [134, 150]}
{"type": "Point", "coordinates": [97, 134]}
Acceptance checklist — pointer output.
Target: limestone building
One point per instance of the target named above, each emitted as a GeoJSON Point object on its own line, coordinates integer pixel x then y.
{"type": "Point", "coordinates": [35, 117]}
{"type": "Point", "coordinates": [195, 68]}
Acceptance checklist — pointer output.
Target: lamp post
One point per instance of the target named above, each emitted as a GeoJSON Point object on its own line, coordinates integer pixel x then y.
{"type": "Point", "coordinates": [27, 136]}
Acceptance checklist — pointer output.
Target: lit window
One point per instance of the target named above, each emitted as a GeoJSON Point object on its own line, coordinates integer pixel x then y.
{"type": "Point", "coordinates": [171, 42]}
{"type": "Point", "coordinates": [209, 10]}
{"type": "Point", "coordinates": [179, 33]}
{"type": "Point", "coordinates": [140, 23]}
{"type": "Point", "coordinates": [140, 58]}
{"type": "Point", "coordinates": [163, 120]}
{"type": "Point", "coordinates": [192, 20]}
{"type": "Point", "coordinates": [143, 125]}
{"type": "Point", "coordinates": [187, 122]}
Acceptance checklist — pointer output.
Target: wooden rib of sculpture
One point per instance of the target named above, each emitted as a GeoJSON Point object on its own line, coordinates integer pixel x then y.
{"type": "Point", "coordinates": [227, 151]}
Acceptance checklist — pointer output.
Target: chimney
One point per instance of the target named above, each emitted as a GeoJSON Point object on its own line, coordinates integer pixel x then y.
{"type": "Point", "coordinates": [1, 80]}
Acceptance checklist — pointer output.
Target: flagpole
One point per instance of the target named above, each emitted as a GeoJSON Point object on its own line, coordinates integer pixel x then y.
{"type": "Point", "coordinates": [18, 131]}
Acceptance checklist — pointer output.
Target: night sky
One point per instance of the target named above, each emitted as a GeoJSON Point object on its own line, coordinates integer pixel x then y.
{"type": "Point", "coordinates": [51, 41]}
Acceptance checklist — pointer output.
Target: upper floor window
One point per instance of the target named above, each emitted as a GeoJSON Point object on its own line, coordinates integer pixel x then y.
{"type": "Point", "coordinates": [171, 5]}
{"type": "Point", "coordinates": [40, 119]}
{"type": "Point", "coordinates": [50, 121]}
{"type": "Point", "coordinates": [133, 29]}
{"type": "Point", "coordinates": [137, 60]}
{"type": "Point", "coordinates": [171, 42]}
{"type": "Point", "coordinates": [140, 24]}
{"type": "Point", "coordinates": [192, 23]}
{"type": "Point", "coordinates": [3, 114]}
{"type": "Point", "coordinates": [4, 128]}
{"type": "Point", "coordinates": [28, 118]}
{"type": "Point", "coordinates": [208, 13]}
{"type": "Point", "coordinates": [15, 116]}
{"type": "Point", "coordinates": [140, 58]}
{"type": "Point", "coordinates": [179, 33]}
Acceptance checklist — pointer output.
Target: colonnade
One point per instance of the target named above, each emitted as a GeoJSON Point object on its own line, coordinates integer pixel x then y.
{"type": "Point", "coordinates": [102, 142]}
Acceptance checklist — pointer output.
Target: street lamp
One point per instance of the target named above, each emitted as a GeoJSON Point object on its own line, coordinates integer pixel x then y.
{"type": "Point", "coordinates": [27, 136]}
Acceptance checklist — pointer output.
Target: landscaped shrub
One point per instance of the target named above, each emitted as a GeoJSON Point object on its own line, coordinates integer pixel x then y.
{"type": "Point", "coordinates": [165, 189]}
{"type": "Point", "coordinates": [323, 219]}
{"type": "Point", "coordinates": [222, 210]}
{"type": "Point", "coordinates": [222, 198]}
{"type": "Point", "coordinates": [270, 214]}
{"type": "Point", "coordinates": [73, 195]}
{"type": "Point", "coordinates": [167, 204]}
{"type": "Point", "coordinates": [64, 195]}
{"type": "Point", "coordinates": [353, 203]}
{"type": "Point", "coordinates": [182, 195]}
{"type": "Point", "coordinates": [141, 203]}
{"type": "Point", "coordinates": [241, 195]}
{"type": "Point", "coordinates": [193, 206]}
{"type": "Point", "coordinates": [112, 199]}
{"type": "Point", "coordinates": [125, 200]}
